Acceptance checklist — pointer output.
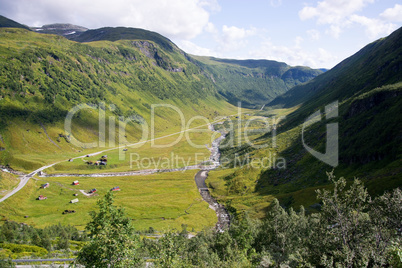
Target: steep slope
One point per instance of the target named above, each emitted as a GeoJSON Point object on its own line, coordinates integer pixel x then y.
{"type": "Point", "coordinates": [376, 65]}
{"type": "Point", "coordinates": [368, 89]}
{"type": "Point", "coordinates": [43, 76]}
{"type": "Point", "coordinates": [254, 82]}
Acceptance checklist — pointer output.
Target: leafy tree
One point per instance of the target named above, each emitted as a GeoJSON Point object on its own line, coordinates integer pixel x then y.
{"type": "Point", "coordinates": [46, 242]}
{"type": "Point", "coordinates": [359, 231]}
{"type": "Point", "coordinates": [113, 241]}
{"type": "Point", "coordinates": [63, 242]}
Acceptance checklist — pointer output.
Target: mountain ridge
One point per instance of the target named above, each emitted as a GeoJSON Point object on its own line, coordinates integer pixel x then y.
{"type": "Point", "coordinates": [6, 22]}
{"type": "Point", "coordinates": [252, 82]}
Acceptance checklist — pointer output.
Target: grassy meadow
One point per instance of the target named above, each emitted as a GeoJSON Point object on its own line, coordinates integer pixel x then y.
{"type": "Point", "coordinates": [162, 201]}
{"type": "Point", "coordinates": [7, 182]}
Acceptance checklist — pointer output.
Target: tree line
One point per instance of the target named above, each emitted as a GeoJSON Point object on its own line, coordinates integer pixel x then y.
{"type": "Point", "coordinates": [352, 230]}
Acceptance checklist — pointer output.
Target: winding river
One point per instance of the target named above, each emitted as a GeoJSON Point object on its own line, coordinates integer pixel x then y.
{"type": "Point", "coordinates": [221, 212]}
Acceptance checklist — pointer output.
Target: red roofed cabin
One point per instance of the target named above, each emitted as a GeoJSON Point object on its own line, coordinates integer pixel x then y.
{"type": "Point", "coordinates": [45, 185]}
{"type": "Point", "coordinates": [76, 183]}
{"type": "Point", "coordinates": [117, 188]}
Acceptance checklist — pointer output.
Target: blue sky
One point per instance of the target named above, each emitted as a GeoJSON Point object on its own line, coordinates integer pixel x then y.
{"type": "Point", "coordinates": [314, 33]}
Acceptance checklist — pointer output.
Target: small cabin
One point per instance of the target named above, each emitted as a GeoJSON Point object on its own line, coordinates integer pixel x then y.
{"type": "Point", "coordinates": [117, 188]}
{"type": "Point", "coordinates": [74, 201]}
{"type": "Point", "coordinates": [44, 186]}
{"type": "Point", "coordinates": [76, 183]}
{"type": "Point", "coordinates": [41, 197]}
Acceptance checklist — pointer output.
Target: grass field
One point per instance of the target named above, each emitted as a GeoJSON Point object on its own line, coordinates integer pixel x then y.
{"type": "Point", "coordinates": [7, 182]}
{"type": "Point", "coordinates": [162, 201]}
{"type": "Point", "coordinates": [248, 201]}
{"type": "Point", "coordinates": [175, 151]}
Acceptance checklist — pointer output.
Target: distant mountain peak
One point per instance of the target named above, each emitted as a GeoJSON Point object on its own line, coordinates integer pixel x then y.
{"type": "Point", "coordinates": [64, 26]}
{"type": "Point", "coordinates": [63, 29]}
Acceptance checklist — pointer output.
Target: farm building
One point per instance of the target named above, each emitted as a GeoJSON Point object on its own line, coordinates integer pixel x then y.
{"type": "Point", "coordinates": [74, 201]}
{"type": "Point", "coordinates": [41, 197]}
{"type": "Point", "coordinates": [117, 188]}
{"type": "Point", "coordinates": [44, 186]}
{"type": "Point", "coordinates": [76, 183]}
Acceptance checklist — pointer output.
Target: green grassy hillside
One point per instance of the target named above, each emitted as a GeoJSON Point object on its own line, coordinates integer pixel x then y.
{"type": "Point", "coordinates": [253, 82]}
{"type": "Point", "coordinates": [375, 65]}
{"type": "Point", "coordinates": [43, 76]}
{"type": "Point", "coordinates": [368, 88]}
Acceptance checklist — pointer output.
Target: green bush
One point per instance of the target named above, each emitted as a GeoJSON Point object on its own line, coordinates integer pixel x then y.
{"type": "Point", "coordinates": [24, 250]}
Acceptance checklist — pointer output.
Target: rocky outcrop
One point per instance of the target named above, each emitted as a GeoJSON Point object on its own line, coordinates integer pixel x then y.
{"type": "Point", "coordinates": [365, 104]}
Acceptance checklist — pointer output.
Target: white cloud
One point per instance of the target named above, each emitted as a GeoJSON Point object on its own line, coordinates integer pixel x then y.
{"type": "Point", "coordinates": [233, 33]}
{"type": "Point", "coordinates": [341, 14]}
{"type": "Point", "coordinates": [182, 19]}
{"type": "Point", "coordinates": [191, 48]}
{"type": "Point", "coordinates": [276, 3]}
{"type": "Point", "coordinates": [334, 30]}
{"type": "Point", "coordinates": [210, 28]}
{"type": "Point", "coordinates": [393, 14]}
{"type": "Point", "coordinates": [374, 27]}
{"type": "Point", "coordinates": [298, 41]}
{"type": "Point", "coordinates": [295, 55]}
{"type": "Point", "coordinates": [212, 5]}
{"type": "Point", "coordinates": [314, 34]}
{"type": "Point", "coordinates": [232, 37]}
{"type": "Point", "coordinates": [332, 11]}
